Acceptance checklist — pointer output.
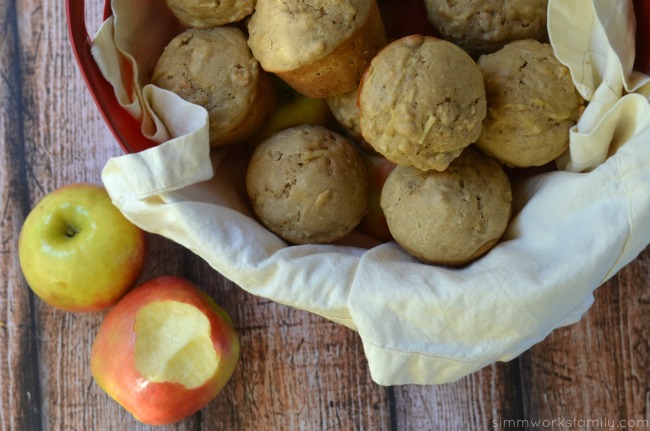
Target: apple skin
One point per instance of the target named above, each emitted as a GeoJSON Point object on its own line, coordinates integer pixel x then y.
{"type": "Point", "coordinates": [112, 359]}
{"type": "Point", "coordinates": [374, 222]}
{"type": "Point", "coordinates": [78, 252]}
{"type": "Point", "coordinates": [293, 109]}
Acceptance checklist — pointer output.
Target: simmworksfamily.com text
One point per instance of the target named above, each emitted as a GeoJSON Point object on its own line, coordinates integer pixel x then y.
{"type": "Point", "coordinates": [570, 423]}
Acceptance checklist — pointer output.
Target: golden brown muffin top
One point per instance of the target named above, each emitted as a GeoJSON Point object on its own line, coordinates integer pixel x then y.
{"type": "Point", "coordinates": [483, 26]}
{"type": "Point", "coordinates": [213, 68]}
{"type": "Point", "coordinates": [532, 104]}
{"type": "Point", "coordinates": [287, 34]}
{"type": "Point", "coordinates": [422, 101]}
{"type": "Point", "coordinates": [210, 13]}
{"type": "Point", "coordinates": [448, 217]}
{"type": "Point", "coordinates": [307, 184]}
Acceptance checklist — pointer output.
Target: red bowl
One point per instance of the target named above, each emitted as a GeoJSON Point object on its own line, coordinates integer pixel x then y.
{"type": "Point", "coordinates": [126, 129]}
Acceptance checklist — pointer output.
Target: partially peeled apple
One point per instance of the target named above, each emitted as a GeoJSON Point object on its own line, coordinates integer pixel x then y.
{"type": "Point", "coordinates": [164, 351]}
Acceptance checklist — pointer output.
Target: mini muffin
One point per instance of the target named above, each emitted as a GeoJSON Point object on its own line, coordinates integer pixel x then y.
{"type": "Point", "coordinates": [452, 217]}
{"type": "Point", "coordinates": [346, 112]}
{"type": "Point", "coordinates": [532, 104]}
{"type": "Point", "coordinates": [210, 13]}
{"type": "Point", "coordinates": [321, 48]}
{"type": "Point", "coordinates": [214, 68]}
{"type": "Point", "coordinates": [307, 184]}
{"type": "Point", "coordinates": [482, 26]}
{"type": "Point", "coordinates": [422, 101]}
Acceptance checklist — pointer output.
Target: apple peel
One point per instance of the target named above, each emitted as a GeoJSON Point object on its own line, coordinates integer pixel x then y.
{"type": "Point", "coordinates": [144, 353]}
{"type": "Point", "coordinates": [77, 251]}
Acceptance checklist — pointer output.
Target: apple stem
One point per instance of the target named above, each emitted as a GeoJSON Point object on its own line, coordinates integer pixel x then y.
{"type": "Point", "coordinates": [70, 232]}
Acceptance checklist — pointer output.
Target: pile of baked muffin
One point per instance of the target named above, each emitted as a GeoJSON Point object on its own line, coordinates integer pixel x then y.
{"type": "Point", "coordinates": [449, 111]}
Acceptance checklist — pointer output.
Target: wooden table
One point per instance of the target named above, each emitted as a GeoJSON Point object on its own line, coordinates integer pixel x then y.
{"type": "Point", "coordinates": [297, 371]}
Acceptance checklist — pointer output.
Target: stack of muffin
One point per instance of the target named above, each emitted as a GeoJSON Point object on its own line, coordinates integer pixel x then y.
{"type": "Point", "coordinates": [448, 110]}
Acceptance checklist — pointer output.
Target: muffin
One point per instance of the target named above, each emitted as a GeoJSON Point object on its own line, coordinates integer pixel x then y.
{"type": "Point", "coordinates": [346, 112]}
{"type": "Point", "coordinates": [321, 48]}
{"type": "Point", "coordinates": [307, 184]}
{"type": "Point", "coordinates": [482, 26]}
{"type": "Point", "coordinates": [422, 101]}
{"type": "Point", "coordinates": [210, 13]}
{"type": "Point", "coordinates": [532, 104]}
{"type": "Point", "coordinates": [452, 217]}
{"type": "Point", "coordinates": [215, 69]}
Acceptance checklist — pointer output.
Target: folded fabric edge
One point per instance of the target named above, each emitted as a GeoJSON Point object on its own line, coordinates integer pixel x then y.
{"type": "Point", "coordinates": [591, 148]}
{"type": "Point", "coordinates": [394, 367]}
{"type": "Point", "coordinates": [433, 366]}
{"type": "Point", "coordinates": [638, 209]}
{"type": "Point", "coordinates": [391, 367]}
{"type": "Point", "coordinates": [107, 57]}
{"type": "Point", "coordinates": [143, 170]}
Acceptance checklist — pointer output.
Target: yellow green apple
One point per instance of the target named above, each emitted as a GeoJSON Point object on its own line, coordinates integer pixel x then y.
{"type": "Point", "coordinates": [77, 251]}
{"type": "Point", "coordinates": [294, 109]}
{"type": "Point", "coordinates": [164, 351]}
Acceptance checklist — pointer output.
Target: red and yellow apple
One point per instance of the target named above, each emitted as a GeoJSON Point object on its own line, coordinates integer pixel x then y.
{"type": "Point", "coordinates": [77, 251]}
{"type": "Point", "coordinates": [164, 350]}
{"type": "Point", "coordinates": [374, 222]}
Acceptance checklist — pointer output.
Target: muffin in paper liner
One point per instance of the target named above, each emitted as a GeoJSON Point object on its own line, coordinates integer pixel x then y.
{"type": "Point", "coordinates": [423, 324]}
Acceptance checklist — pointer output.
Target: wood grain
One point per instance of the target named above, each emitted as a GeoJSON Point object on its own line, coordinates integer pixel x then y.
{"type": "Point", "coordinates": [473, 402]}
{"type": "Point", "coordinates": [297, 371]}
{"type": "Point", "coordinates": [56, 151]}
{"type": "Point", "coordinates": [599, 367]}
{"type": "Point", "coordinates": [65, 141]}
{"type": "Point", "coordinates": [20, 395]}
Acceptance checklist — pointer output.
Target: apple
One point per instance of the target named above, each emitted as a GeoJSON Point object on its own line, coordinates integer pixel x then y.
{"type": "Point", "coordinates": [374, 222]}
{"type": "Point", "coordinates": [164, 351]}
{"type": "Point", "coordinates": [294, 109]}
{"type": "Point", "coordinates": [77, 251]}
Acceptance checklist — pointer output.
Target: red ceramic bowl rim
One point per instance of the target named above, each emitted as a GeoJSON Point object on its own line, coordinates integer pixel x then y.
{"type": "Point", "coordinates": [126, 129]}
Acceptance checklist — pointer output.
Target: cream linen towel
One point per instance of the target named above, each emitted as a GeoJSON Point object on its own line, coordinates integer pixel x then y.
{"type": "Point", "coordinates": [419, 323]}
{"type": "Point", "coordinates": [589, 37]}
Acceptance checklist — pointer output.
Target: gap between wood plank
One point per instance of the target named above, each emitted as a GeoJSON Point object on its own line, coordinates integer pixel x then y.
{"type": "Point", "coordinates": [29, 374]}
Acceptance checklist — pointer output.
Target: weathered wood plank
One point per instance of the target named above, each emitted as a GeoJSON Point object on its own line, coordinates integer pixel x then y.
{"type": "Point", "coordinates": [65, 140]}
{"type": "Point", "coordinates": [297, 371]}
{"type": "Point", "coordinates": [633, 284]}
{"type": "Point", "coordinates": [20, 395]}
{"type": "Point", "coordinates": [472, 403]}
{"type": "Point", "coordinates": [598, 368]}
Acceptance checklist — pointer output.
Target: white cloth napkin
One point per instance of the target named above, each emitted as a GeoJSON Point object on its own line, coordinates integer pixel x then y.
{"type": "Point", "coordinates": [419, 323]}
{"type": "Point", "coordinates": [595, 40]}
